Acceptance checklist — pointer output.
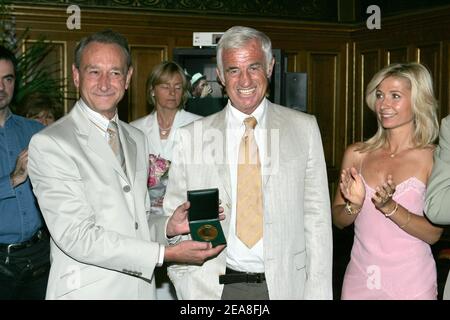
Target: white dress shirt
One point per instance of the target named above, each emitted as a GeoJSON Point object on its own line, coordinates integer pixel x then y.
{"type": "Point", "coordinates": [100, 121]}
{"type": "Point", "coordinates": [239, 256]}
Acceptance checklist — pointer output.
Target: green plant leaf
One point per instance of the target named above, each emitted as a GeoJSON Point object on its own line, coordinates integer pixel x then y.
{"type": "Point", "coordinates": [34, 74]}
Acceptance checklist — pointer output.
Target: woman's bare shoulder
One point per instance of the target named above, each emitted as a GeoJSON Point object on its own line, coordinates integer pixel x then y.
{"type": "Point", "coordinates": [427, 151]}
{"type": "Point", "coordinates": [353, 155]}
{"type": "Point", "coordinates": [355, 149]}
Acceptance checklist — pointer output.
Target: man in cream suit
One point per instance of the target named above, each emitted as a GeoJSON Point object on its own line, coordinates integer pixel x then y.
{"type": "Point", "coordinates": [293, 258]}
{"type": "Point", "coordinates": [437, 202]}
{"type": "Point", "coordinates": [94, 196]}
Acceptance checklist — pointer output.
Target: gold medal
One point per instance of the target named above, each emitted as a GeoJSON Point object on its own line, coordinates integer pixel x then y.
{"type": "Point", "coordinates": [207, 232]}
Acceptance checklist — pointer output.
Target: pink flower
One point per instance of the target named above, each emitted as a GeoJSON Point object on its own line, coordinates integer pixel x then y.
{"type": "Point", "coordinates": [158, 168]}
{"type": "Point", "coordinates": [151, 181]}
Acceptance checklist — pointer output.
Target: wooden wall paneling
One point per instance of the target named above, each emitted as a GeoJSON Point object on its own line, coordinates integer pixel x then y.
{"type": "Point", "coordinates": [72, 91]}
{"type": "Point", "coordinates": [394, 55]}
{"type": "Point", "coordinates": [328, 71]}
{"type": "Point", "coordinates": [347, 105]}
{"type": "Point", "coordinates": [430, 56]}
{"type": "Point", "coordinates": [323, 71]}
{"type": "Point", "coordinates": [351, 95]}
{"type": "Point", "coordinates": [365, 121]}
{"type": "Point", "coordinates": [144, 58]}
{"type": "Point", "coordinates": [293, 61]}
{"type": "Point", "coordinates": [344, 108]}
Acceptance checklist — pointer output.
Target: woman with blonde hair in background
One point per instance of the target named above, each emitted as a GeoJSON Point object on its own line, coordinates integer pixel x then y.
{"type": "Point", "coordinates": [382, 188]}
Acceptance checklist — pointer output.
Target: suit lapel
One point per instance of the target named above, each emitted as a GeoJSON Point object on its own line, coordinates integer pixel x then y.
{"type": "Point", "coordinates": [223, 168]}
{"type": "Point", "coordinates": [94, 140]}
{"type": "Point", "coordinates": [273, 123]}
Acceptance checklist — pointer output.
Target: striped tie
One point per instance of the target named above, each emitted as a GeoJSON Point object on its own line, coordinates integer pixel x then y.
{"type": "Point", "coordinates": [114, 143]}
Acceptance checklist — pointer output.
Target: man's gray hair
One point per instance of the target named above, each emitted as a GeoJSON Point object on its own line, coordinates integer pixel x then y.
{"type": "Point", "coordinates": [105, 36]}
{"type": "Point", "coordinates": [237, 37]}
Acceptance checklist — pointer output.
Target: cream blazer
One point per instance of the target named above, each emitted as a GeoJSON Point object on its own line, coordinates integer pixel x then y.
{"type": "Point", "coordinates": [101, 244]}
{"type": "Point", "coordinates": [297, 223]}
{"type": "Point", "coordinates": [437, 201]}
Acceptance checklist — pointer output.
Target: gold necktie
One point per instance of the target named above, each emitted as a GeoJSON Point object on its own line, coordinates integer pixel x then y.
{"type": "Point", "coordinates": [249, 210]}
{"type": "Point", "coordinates": [114, 143]}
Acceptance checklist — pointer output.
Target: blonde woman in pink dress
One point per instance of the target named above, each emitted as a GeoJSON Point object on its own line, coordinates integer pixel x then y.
{"type": "Point", "coordinates": [382, 191]}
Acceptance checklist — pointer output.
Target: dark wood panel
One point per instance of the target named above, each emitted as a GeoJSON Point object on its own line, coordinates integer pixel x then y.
{"type": "Point", "coordinates": [396, 55]}
{"type": "Point", "coordinates": [430, 56]}
{"type": "Point", "coordinates": [323, 68]}
{"type": "Point", "coordinates": [370, 62]}
{"type": "Point", "coordinates": [144, 59]}
{"type": "Point", "coordinates": [293, 63]}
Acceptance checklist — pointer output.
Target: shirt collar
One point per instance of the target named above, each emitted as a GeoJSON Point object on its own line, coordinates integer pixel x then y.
{"type": "Point", "coordinates": [237, 117]}
{"type": "Point", "coordinates": [101, 121]}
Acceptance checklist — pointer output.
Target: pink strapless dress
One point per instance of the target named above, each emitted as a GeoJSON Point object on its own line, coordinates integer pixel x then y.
{"type": "Point", "coordinates": [386, 262]}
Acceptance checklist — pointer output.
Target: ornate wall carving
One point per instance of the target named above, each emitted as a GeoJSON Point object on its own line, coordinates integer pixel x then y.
{"type": "Point", "coordinates": [319, 10]}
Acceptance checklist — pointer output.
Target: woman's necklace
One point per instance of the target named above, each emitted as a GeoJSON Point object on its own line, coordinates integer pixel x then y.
{"type": "Point", "coordinates": [395, 153]}
{"type": "Point", "coordinates": [392, 155]}
{"type": "Point", "coordinates": [164, 131]}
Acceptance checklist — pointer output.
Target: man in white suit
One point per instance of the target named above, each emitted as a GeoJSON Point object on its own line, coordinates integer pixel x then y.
{"type": "Point", "coordinates": [437, 202]}
{"type": "Point", "coordinates": [93, 200]}
{"type": "Point", "coordinates": [293, 258]}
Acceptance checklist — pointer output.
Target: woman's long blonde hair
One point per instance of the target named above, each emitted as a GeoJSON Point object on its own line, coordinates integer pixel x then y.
{"type": "Point", "coordinates": [423, 104]}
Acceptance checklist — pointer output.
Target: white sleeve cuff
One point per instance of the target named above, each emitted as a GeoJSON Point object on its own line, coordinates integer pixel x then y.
{"type": "Point", "coordinates": [162, 249]}
{"type": "Point", "coordinates": [174, 239]}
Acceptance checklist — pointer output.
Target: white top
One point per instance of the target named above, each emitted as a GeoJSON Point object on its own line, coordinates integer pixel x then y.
{"type": "Point", "coordinates": [149, 125]}
{"type": "Point", "coordinates": [239, 256]}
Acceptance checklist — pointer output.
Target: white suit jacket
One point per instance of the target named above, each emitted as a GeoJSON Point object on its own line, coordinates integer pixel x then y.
{"type": "Point", "coordinates": [437, 202]}
{"type": "Point", "coordinates": [297, 223]}
{"type": "Point", "coordinates": [101, 243]}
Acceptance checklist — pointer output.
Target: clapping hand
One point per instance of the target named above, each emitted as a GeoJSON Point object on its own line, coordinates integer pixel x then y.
{"type": "Point", "coordinates": [20, 173]}
{"type": "Point", "coordinates": [352, 187]}
{"type": "Point", "coordinates": [384, 192]}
